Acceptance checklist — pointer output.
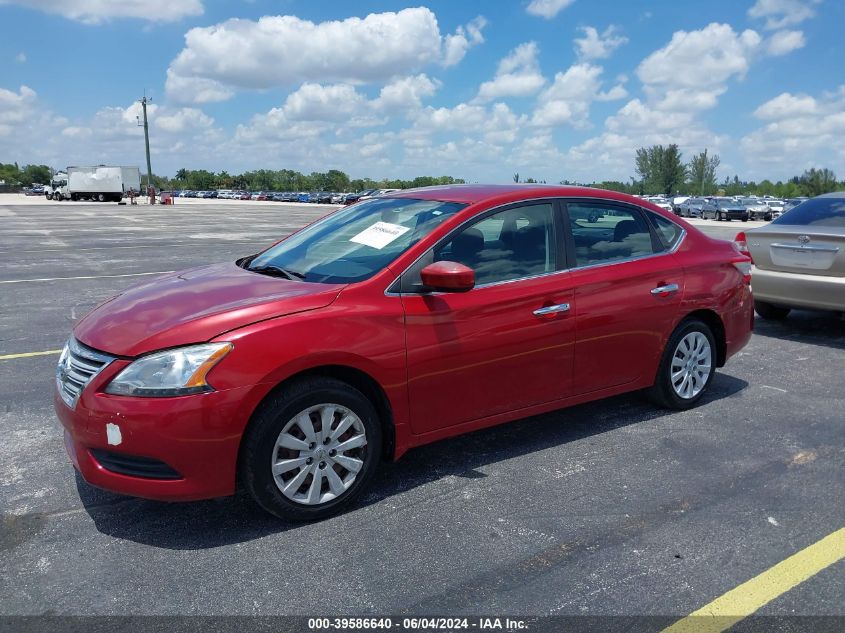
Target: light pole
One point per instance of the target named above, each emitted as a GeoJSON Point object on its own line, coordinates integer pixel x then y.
{"type": "Point", "coordinates": [144, 100]}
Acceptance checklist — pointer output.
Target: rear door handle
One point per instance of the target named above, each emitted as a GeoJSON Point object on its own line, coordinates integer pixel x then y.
{"type": "Point", "coordinates": [662, 291]}
{"type": "Point", "coordinates": [560, 307]}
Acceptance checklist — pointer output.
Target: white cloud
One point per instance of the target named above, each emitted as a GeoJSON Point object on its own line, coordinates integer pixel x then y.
{"type": "Point", "coordinates": [456, 45]}
{"type": "Point", "coordinates": [406, 93]}
{"type": "Point", "coordinates": [99, 11]}
{"type": "Point", "coordinates": [281, 50]}
{"type": "Point", "coordinates": [496, 124]}
{"type": "Point", "coordinates": [20, 57]}
{"type": "Point", "coordinates": [783, 42]}
{"type": "Point", "coordinates": [313, 102]}
{"type": "Point", "coordinates": [567, 101]}
{"type": "Point", "coordinates": [700, 59]}
{"type": "Point", "coordinates": [782, 13]}
{"type": "Point", "coordinates": [802, 131]}
{"type": "Point", "coordinates": [786, 105]}
{"type": "Point", "coordinates": [15, 107]}
{"type": "Point", "coordinates": [547, 8]}
{"type": "Point", "coordinates": [598, 46]}
{"type": "Point", "coordinates": [182, 120]}
{"type": "Point", "coordinates": [680, 80]}
{"type": "Point", "coordinates": [195, 89]}
{"type": "Point", "coordinates": [518, 75]}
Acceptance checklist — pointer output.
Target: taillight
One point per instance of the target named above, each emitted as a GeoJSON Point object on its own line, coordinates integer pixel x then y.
{"type": "Point", "coordinates": [744, 268]}
{"type": "Point", "coordinates": [742, 245]}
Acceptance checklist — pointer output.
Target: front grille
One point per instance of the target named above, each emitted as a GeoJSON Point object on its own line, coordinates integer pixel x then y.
{"type": "Point", "coordinates": [77, 367]}
{"type": "Point", "coordinates": [134, 466]}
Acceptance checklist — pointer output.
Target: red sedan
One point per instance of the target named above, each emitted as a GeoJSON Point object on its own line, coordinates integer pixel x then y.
{"type": "Point", "coordinates": [388, 324]}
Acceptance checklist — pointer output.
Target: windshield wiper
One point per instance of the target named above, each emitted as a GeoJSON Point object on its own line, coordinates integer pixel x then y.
{"type": "Point", "coordinates": [276, 271]}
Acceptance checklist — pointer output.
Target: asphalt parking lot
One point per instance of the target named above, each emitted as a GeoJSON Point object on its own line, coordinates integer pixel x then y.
{"type": "Point", "coordinates": [610, 508]}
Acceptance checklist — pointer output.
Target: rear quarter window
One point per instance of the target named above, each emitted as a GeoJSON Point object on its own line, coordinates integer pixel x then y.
{"type": "Point", "coordinates": [668, 232]}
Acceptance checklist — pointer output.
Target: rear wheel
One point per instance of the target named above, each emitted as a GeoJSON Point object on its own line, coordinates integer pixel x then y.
{"type": "Point", "coordinates": [687, 366]}
{"type": "Point", "coordinates": [771, 311]}
{"type": "Point", "coordinates": [311, 449]}
{"type": "Point", "coordinates": [768, 217]}
{"type": "Point", "coordinates": [101, 198]}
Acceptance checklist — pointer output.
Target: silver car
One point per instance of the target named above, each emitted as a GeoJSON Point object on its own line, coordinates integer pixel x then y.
{"type": "Point", "coordinates": [799, 259]}
{"type": "Point", "coordinates": [757, 209]}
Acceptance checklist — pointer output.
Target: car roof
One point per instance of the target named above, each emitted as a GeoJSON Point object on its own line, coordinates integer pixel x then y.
{"type": "Point", "coordinates": [833, 194]}
{"type": "Point", "coordinates": [472, 194]}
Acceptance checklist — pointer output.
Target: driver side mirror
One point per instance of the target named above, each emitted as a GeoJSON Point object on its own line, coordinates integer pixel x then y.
{"type": "Point", "coordinates": [448, 277]}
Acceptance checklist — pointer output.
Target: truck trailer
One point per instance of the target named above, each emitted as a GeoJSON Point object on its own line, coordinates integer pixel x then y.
{"type": "Point", "coordinates": [102, 183]}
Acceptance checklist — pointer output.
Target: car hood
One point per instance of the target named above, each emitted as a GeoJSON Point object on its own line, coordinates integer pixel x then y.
{"type": "Point", "coordinates": [194, 306]}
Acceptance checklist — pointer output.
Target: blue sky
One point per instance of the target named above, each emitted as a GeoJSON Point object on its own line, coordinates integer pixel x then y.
{"type": "Point", "coordinates": [552, 89]}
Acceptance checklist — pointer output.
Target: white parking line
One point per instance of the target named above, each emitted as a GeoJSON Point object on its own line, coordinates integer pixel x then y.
{"type": "Point", "coordinates": [23, 281]}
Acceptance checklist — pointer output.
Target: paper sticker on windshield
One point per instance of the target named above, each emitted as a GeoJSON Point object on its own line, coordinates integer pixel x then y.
{"type": "Point", "coordinates": [380, 234]}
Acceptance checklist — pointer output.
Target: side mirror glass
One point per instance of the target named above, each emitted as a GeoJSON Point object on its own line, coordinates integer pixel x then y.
{"type": "Point", "coordinates": [448, 277]}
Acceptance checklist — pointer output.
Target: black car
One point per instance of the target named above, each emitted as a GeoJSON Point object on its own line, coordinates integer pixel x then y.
{"type": "Point", "coordinates": [354, 197]}
{"type": "Point", "coordinates": [725, 209]}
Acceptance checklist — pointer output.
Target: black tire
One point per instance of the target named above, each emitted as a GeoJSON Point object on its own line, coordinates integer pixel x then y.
{"type": "Point", "coordinates": [768, 217]}
{"type": "Point", "coordinates": [74, 197]}
{"type": "Point", "coordinates": [745, 218]}
{"type": "Point", "coordinates": [662, 393]}
{"type": "Point", "coordinates": [268, 422]}
{"type": "Point", "coordinates": [770, 311]}
{"type": "Point", "coordinates": [49, 196]}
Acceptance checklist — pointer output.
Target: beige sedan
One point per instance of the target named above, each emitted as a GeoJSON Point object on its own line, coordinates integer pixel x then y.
{"type": "Point", "coordinates": [799, 259]}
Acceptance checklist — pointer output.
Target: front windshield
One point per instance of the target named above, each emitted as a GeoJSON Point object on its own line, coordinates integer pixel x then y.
{"type": "Point", "coordinates": [355, 243]}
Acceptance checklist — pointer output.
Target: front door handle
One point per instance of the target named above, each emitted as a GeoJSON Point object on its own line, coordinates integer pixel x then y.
{"type": "Point", "coordinates": [549, 310]}
{"type": "Point", "coordinates": [664, 291]}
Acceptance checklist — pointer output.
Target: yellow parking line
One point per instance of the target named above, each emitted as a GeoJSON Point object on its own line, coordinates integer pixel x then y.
{"type": "Point", "coordinates": [30, 354]}
{"type": "Point", "coordinates": [738, 603]}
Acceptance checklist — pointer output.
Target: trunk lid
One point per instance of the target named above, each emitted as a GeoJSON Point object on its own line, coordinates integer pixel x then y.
{"type": "Point", "coordinates": [799, 249]}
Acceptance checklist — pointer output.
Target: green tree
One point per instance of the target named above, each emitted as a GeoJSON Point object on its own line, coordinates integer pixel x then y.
{"type": "Point", "coordinates": [200, 180]}
{"type": "Point", "coordinates": [660, 168]}
{"type": "Point", "coordinates": [336, 180]}
{"type": "Point", "coordinates": [815, 182]}
{"type": "Point", "coordinates": [701, 171]}
{"type": "Point", "coordinates": [516, 177]}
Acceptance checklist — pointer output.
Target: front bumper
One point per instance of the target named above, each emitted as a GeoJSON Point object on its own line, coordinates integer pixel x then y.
{"type": "Point", "coordinates": [197, 436]}
{"type": "Point", "coordinates": [819, 292]}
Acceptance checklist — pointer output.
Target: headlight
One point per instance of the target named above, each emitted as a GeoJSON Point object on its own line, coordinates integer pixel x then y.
{"type": "Point", "coordinates": [175, 372]}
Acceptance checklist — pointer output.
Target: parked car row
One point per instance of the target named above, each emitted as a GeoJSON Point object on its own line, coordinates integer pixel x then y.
{"type": "Point", "coordinates": [733, 208]}
{"type": "Point", "coordinates": [318, 197]}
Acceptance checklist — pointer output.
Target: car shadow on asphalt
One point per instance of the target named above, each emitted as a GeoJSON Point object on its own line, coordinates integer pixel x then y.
{"type": "Point", "coordinates": [220, 522]}
{"type": "Point", "coordinates": [806, 326]}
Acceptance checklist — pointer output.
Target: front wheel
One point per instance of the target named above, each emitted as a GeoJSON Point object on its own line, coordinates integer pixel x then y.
{"type": "Point", "coordinates": [686, 368]}
{"type": "Point", "coordinates": [311, 449]}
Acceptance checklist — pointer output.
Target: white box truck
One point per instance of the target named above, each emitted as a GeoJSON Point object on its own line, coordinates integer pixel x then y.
{"type": "Point", "coordinates": [101, 183]}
